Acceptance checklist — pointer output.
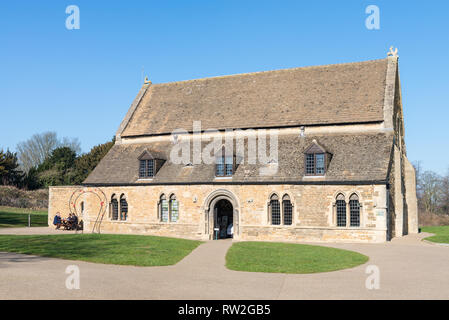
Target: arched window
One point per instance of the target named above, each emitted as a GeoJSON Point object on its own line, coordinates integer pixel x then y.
{"type": "Point", "coordinates": [341, 210]}
{"type": "Point", "coordinates": [287, 210]}
{"type": "Point", "coordinates": [354, 210]}
{"type": "Point", "coordinates": [163, 208]}
{"type": "Point", "coordinates": [174, 209]}
{"type": "Point", "coordinates": [280, 215]}
{"type": "Point", "coordinates": [113, 208]}
{"type": "Point", "coordinates": [123, 208]}
{"type": "Point", "coordinates": [275, 210]}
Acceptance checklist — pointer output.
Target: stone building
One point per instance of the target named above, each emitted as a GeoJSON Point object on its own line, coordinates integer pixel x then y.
{"type": "Point", "coordinates": [303, 154]}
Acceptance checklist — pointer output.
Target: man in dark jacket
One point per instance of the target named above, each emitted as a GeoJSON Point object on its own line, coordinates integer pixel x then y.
{"type": "Point", "coordinates": [57, 220]}
{"type": "Point", "coordinates": [74, 222]}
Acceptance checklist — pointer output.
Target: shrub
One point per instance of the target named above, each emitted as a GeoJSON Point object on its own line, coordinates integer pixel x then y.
{"type": "Point", "coordinates": [433, 219]}
{"type": "Point", "coordinates": [14, 197]}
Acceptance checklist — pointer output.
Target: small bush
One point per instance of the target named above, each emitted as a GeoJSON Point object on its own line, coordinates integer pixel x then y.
{"type": "Point", "coordinates": [14, 197]}
{"type": "Point", "coordinates": [433, 219]}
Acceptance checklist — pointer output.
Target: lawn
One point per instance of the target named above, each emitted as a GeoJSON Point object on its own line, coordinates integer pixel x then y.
{"type": "Point", "coordinates": [289, 258]}
{"type": "Point", "coordinates": [441, 233]}
{"type": "Point", "coordinates": [18, 217]}
{"type": "Point", "coordinates": [134, 250]}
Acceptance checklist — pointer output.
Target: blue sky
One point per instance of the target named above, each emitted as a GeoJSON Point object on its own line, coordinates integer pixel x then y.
{"type": "Point", "coordinates": [80, 83]}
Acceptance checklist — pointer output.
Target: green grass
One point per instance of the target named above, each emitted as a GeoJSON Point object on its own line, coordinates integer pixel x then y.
{"type": "Point", "coordinates": [133, 250]}
{"type": "Point", "coordinates": [18, 217]}
{"type": "Point", "coordinates": [441, 233]}
{"type": "Point", "coordinates": [289, 258]}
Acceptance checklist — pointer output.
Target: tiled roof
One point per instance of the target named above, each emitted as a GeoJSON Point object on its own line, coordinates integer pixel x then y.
{"type": "Point", "coordinates": [332, 94]}
{"type": "Point", "coordinates": [355, 157]}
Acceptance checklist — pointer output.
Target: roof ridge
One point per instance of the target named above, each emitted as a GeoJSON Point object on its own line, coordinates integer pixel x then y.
{"type": "Point", "coordinates": [268, 71]}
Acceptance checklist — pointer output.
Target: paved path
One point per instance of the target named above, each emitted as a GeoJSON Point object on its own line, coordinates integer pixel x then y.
{"type": "Point", "coordinates": [409, 269]}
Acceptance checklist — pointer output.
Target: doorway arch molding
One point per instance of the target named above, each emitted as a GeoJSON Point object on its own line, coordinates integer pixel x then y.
{"type": "Point", "coordinates": [209, 206]}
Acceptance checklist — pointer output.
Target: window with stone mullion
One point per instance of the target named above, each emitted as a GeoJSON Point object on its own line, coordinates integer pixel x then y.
{"type": "Point", "coordinates": [224, 166]}
{"type": "Point", "coordinates": [146, 168]}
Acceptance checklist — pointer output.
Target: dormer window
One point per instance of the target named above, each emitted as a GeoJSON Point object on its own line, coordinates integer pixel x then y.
{"type": "Point", "coordinates": [224, 166]}
{"type": "Point", "coordinates": [316, 160]}
{"type": "Point", "coordinates": [149, 165]}
{"type": "Point", "coordinates": [146, 169]}
{"type": "Point", "coordinates": [225, 163]}
{"type": "Point", "coordinates": [315, 164]}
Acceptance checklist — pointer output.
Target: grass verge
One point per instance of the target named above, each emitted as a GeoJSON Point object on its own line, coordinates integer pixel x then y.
{"type": "Point", "coordinates": [441, 233]}
{"type": "Point", "coordinates": [133, 250]}
{"type": "Point", "coordinates": [18, 217]}
{"type": "Point", "coordinates": [289, 258]}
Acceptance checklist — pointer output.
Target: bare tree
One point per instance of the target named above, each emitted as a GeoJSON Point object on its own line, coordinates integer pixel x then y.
{"type": "Point", "coordinates": [445, 193]}
{"type": "Point", "coordinates": [72, 143]}
{"type": "Point", "coordinates": [35, 150]}
{"type": "Point", "coordinates": [431, 191]}
{"type": "Point", "coordinates": [418, 173]}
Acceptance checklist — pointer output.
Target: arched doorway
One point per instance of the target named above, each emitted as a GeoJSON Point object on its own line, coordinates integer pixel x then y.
{"type": "Point", "coordinates": [218, 204]}
{"type": "Point", "coordinates": [223, 219]}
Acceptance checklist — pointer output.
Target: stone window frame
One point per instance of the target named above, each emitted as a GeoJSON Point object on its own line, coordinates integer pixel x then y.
{"type": "Point", "coordinates": [286, 197]}
{"type": "Point", "coordinates": [116, 203]}
{"type": "Point", "coordinates": [354, 197]}
{"type": "Point", "coordinates": [123, 205]}
{"type": "Point", "coordinates": [113, 205]}
{"type": "Point", "coordinates": [347, 199]}
{"type": "Point", "coordinates": [341, 199]}
{"type": "Point", "coordinates": [160, 204]}
{"type": "Point", "coordinates": [171, 197]}
{"type": "Point", "coordinates": [274, 196]}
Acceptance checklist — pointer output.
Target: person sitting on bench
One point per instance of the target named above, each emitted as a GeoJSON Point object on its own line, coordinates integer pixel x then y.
{"type": "Point", "coordinates": [74, 222]}
{"type": "Point", "coordinates": [67, 223]}
{"type": "Point", "coordinates": [57, 220]}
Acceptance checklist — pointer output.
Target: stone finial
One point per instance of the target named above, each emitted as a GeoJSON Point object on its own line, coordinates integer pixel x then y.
{"type": "Point", "coordinates": [302, 133]}
{"type": "Point", "coordinates": [393, 53]}
{"type": "Point", "coordinates": [147, 81]}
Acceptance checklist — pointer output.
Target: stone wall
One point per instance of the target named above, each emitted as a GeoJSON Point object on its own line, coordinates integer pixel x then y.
{"type": "Point", "coordinates": [313, 211]}
{"type": "Point", "coordinates": [412, 201]}
{"type": "Point", "coordinates": [398, 194]}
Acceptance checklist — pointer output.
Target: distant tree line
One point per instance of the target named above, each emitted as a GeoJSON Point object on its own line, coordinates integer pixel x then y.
{"type": "Point", "coordinates": [432, 190]}
{"type": "Point", "coordinates": [44, 161]}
